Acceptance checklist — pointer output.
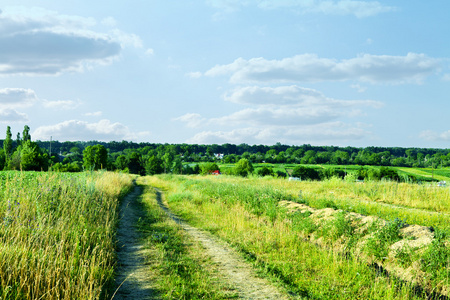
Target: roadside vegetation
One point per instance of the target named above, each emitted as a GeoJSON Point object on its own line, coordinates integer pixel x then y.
{"type": "Point", "coordinates": [178, 264]}
{"type": "Point", "coordinates": [326, 252]}
{"type": "Point", "coordinates": [57, 234]}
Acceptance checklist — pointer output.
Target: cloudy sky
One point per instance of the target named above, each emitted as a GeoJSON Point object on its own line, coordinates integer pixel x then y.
{"type": "Point", "coordinates": [320, 72]}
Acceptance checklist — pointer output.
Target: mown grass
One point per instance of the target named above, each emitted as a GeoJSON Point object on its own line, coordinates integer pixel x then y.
{"type": "Point", "coordinates": [179, 268]}
{"type": "Point", "coordinates": [57, 234]}
{"type": "Point", "coordinates": [245, 213]}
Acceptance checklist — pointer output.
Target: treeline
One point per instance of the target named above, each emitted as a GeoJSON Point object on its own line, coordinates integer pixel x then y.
{"type": "Point", "coordinates": [152, 158]}
{"type": "Point", "coordinates": [278, 153]}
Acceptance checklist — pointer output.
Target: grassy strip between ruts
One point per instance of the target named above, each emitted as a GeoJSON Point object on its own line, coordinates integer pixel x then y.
{"type": "Point", "coordinates": [178, 264]}
{"type": "Point", "coordinates": [247, 218]}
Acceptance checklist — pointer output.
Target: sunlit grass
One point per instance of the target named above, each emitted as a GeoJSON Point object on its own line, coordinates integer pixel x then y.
{"type": "Point", "coordinates": [57, 234]}
{"type": "Point", "coordinates": [245, 213]}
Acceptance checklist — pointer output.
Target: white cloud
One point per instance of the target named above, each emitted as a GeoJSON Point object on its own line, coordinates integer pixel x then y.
{"type": "Point", "coordinates": [10, 115]}
{"type": "Point", "coordinates": [290, 95]}
{"type": "Point", "coordinates": [430, 135]}
{"type": "Point", "coordinates": [75, 130]}
{"type": "Point", "coordinates": [446, 77]}
{"type": "Point", "coordinates": [316, 134]}
{"type": "Point", "coordinates": [150, 51]}
{"type": "Point", "coordinates": [359, 88]}
{"type": "Point", "coordinates": [41, 42]}
{"type": "Point", "coordinates": [94, 114]}
{"type": "Point", "coordinates": [309, 67]}
{"type": "Point", "coordinates": [109, 21]}
{"type": "Point", "coordinates": [15, 97]}
{"type": "Point", "coordinates": [192, 120]}
{"type": "Point", "coordinates": [360, 9]}
{"type": "Point", "coordinates": [282, 112]}
{"type": "Point", "coordinates": [194, 75]}
{"type": "Point", "coordinates": [61, 104]}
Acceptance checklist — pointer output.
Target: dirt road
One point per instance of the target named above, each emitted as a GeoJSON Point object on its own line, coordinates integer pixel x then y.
{"type": "Point", "coordinates": [133, 280]}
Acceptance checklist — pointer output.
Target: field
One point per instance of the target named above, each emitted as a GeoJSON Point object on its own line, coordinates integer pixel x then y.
{"type": "Point", "coordinates": [342, 245]}
{"type": "Point", "coordinates": [332, 239]}
{"type": "Point", "coordinates": [57, 234]}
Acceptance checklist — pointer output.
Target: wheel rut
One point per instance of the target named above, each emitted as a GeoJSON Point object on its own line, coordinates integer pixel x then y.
{"type": "Point", "coordinates": [232, 268]}
{"type": "Point", "coordinates": [132, 280]}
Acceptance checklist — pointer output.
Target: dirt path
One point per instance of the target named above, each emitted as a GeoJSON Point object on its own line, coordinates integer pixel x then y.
{"type": "Point", "coordinates": [133, 278]}
{"type": "Point", "coordinates": [233, 269]}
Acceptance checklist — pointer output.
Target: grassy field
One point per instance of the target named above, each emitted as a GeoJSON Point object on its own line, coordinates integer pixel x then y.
{"type": "Point", "coordinates": [247, 214]}
{"type": "Point", "coordinates": [57, 234]}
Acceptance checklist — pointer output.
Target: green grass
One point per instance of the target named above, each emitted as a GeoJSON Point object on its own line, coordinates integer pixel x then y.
{"type": "Point", "coordinates": [244, 213]}
{"type": "Point", "coordinates": [57, 234]}
{"type": "Point", "coordinates": [178, 264]}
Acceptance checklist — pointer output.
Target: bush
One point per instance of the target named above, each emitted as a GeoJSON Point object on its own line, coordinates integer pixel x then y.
{"type": "Point", "coordinates": [305, 173]}
{"type": "Point", "coordinates": [208, 168]}
{"type": "Point", "coordinates": [243, 167]}
{"type": "Point", "coordinates": [264, 171]}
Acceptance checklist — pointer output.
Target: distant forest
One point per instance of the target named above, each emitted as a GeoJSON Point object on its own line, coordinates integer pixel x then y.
{"type": "Point", "coordinates": [152, 158]}
{"type": "Point", "coordinates": [278, 153]}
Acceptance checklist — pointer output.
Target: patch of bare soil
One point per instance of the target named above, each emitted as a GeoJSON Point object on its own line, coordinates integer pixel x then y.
{"type": "Point", "coordinates": [231, 267]}
{"type": "Point", "coordinates": [133, 278]}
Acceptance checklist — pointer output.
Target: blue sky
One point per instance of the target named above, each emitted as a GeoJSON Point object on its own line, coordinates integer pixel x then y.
{"type": "Point", "coordinates": [342, 72]}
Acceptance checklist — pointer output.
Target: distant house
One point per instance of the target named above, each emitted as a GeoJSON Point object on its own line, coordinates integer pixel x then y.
{"type": "Point", "coordinates": [218, 155]}
{"type": "Point", "coordinates": [295, 179]}
{"type": "Point", "coordinates": [217, 172]}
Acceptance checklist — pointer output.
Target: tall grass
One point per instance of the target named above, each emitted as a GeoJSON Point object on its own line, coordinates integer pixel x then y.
{"type": "Point", "coordinates": [276, 244]}
{"type": "Point", "coordinates": [179, 268]}
{"type": "Point", "coordinates": [57, 234]}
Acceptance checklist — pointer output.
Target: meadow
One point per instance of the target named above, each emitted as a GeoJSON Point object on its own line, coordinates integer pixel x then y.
{"type": "Point", "coordinates": [57, 234]}
{"type": "Point", "coordinates": [325, 258]}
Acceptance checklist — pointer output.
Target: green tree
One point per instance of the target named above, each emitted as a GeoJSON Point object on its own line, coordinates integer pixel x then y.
{"type": "Point", "coordinates": [305, 173]}
{"type": "Point", "coordinates": [208, 168]}
{"type": "Point", "coordinates": [26, 134]}
{"type": "Point", "coordinates": [167, 161]}
{"type": "Point", "coordinates": [121, 162]}
{"type": "Point", "coordinates": [243, 167]}
{"type": "Point", "coordinates": [265, 171]}
{"type": "Point", "coordinates": [134, 164]}
{"type": "Point", "coordinates": [7, 146]}
{"type": "Point", "coordinates": [154, 165]}
{"type": "Point", "coordinates": [32, 158]}
{"type": "Point", "coordinates": [95, 157]}
{"type": "Point", "coordinates": [177, 165]}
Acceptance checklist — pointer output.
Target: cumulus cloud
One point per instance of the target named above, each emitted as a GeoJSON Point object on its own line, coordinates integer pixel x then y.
{"type": "Point", "coordinates": [192, 120]}
{"type": "Point", "coordinates": [321, 133]}
{"type": "Point", "coordinates": [290, 95]}
{"type": "Point", "coordinates": [287, 112]}
{"type": "Point", "coordinates": [9, 115]}
{"type": "Point", "coordinates": [94, 114]}
{"type": "Point", "coordinates": [75, 130]}
{"type": "Point", "coordinates": [194, 75]}
{"type": "Point", "coordinates": [310, 68]}
{"type": "Point", "coordinates": [15, 97]}
{"type": "Point", "coordinates": [359, 9]}
{"type": "Point", "coordinates": [41, 42]}
{"type": "Point", "coordinates": [61, 104]}
{"type": "Point", "coordinates": [430, 135]}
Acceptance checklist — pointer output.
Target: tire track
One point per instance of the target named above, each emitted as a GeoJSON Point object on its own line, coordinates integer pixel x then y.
{"type": "Point", "coordinates": [233, 269]}
{"type": "Point", "coordinates": [133, 278]}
